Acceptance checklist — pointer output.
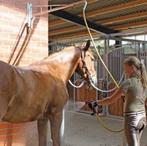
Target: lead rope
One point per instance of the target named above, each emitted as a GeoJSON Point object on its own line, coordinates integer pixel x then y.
{"type": "Point", "coordinates": [24, 25]}
{"type": "Point", "coordinates": [24, 45]}
{"type": "Point", "coordinates": [106, 127]}
{"type": "Point", "coordinates": [99, 56]}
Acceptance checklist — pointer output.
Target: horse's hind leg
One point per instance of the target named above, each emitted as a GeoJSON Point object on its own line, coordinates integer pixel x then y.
{"type": "Point", "coordinates": [42, 131]}
{"type": "Point", "coordinates": [57, 128]}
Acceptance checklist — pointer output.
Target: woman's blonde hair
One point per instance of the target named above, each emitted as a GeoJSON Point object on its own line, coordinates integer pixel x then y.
{"type": "Point", "coordinates": [140, 68]}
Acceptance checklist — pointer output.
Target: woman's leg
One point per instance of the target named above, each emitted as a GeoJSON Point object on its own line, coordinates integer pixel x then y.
{"type": "Point", "coordinates": [140, 127]}
{"type": "Point", "coordinates": [130, 134]}
{"type": "Point", "coordinates": [134, 126]}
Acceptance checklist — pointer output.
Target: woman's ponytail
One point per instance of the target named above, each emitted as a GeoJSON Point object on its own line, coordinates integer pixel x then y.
{"type": "Point", "coordinates": [139, 70]}
{"type": "Point", "coordinates": [143, 75]}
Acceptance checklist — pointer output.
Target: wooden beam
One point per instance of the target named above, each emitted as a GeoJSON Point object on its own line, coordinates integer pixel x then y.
{"type": "Point", "coordinates": [130, 25]}
{"type": "Point", "coordinates": [121, 19]}
{"type": "Point", "coordinates": [129, 32]}
{"type": "Point", "coordinates": [60, 21]}
{"type": "Point", "coordinates": [74, 35]}
{"type": "Point", "coordinates": [116, 8]}
{"type": "Point", "coordinates": [85, 33]}
{"type": "Point", "coordinates": [106, 10]}
{"type": "Point", "coordinates": [103, 22]}
{"type": "Point", "coordinates": [80, 21]}
{"type": "Point", "coordinates": [64, 30]}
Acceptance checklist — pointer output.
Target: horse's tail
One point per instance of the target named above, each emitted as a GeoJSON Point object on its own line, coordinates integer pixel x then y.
{"type": "Point", "coordinates": [87, 46]}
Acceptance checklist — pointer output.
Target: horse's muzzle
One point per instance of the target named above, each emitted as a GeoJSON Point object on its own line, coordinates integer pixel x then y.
{"type": "Point", "coordinates": [93, 79]}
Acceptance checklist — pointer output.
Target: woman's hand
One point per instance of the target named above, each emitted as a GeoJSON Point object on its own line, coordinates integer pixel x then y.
{"type": "Point", "coordinates": [93, 105]}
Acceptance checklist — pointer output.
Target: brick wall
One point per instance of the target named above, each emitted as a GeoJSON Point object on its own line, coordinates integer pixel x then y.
{"type": "Point", "coordinates": [12, 14]}
{"type": "Point", "coordinates": [23, 134]}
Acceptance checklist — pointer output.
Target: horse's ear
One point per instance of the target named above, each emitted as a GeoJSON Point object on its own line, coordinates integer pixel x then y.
{"type": "Point", "coordinates": [87, 46]}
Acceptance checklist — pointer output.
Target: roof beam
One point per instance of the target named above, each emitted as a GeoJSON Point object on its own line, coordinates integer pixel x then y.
{"type": "Point", "coordinates": [106, 10]}
{"type": "Point", "coordinates": [130, 25]}
{"type": "Point", "coordinates": [64, 30]}
{"type": "Point", "coordinates": [122, 19]}
{"type": "Point", "coordinates": [134, 31]}
{"type": "Point", "coordinates": [80, 21]}
{"type": "Point", "coordinates": [75, 35]}
{"type": "Point", "coordinates": [116, 8]}
{"type": "Point", "coordinates": [119, 19]}
{"type": "Point", "coordinates": [85, 33]}
{"type": "Point", "coordinates": [111, 21]}
{"type": "Point", "coordinates": [78, 35]}
{"type": "Point", "coordinates": [58, 21]}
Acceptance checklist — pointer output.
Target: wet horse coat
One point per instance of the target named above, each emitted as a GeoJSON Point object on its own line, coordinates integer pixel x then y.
{"type": "Point", "coordinates": [38, 91]}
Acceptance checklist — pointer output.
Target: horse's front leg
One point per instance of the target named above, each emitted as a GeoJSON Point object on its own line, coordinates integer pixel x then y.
{"type": "Point", "coordinates": [42, 131]}
{"type": "Point", "coordinates": [57, 128]}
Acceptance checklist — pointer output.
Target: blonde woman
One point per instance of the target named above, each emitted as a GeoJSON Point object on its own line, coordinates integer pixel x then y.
{"type": "Point", "coordinates": [135, 90]}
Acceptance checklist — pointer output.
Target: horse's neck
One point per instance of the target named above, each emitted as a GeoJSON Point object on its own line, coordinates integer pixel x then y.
{"type": "Point", "coordinates": [66, 62]}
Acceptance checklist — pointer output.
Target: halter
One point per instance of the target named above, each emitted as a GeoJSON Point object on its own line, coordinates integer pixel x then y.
{"type": "Point", "coordinates": [84, 72]}
{"type": "Point", "coordinates": [86, 75]}
{"type": "Point", "coordinates": [84, 67]}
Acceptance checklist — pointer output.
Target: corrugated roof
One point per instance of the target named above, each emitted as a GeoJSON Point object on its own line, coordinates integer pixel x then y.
{"type": "Point", "coordinates": [121, 15]}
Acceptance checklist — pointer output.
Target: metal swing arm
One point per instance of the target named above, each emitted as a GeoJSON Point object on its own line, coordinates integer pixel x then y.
{"type": "Point", "coordinates": [27, 25]}
{"type": "Point", "coordinates": [57, 8]}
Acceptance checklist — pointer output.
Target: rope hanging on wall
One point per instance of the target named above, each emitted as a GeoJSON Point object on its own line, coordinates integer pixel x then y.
{"type": "Point", "coordinates": [27, 25]}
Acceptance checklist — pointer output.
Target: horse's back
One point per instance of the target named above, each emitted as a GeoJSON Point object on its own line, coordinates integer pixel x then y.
{"type": "Point", "coordinates": [6, 86]}
{"type": "Point", "coordinates": [35, 93]}
{"type": "Point", "coordinates": [6, 70]}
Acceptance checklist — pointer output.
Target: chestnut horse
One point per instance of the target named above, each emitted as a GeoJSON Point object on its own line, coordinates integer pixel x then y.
{"type": "Point", "coordinates": [38, 91]}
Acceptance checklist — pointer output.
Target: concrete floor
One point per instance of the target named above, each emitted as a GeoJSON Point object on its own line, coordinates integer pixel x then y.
{"type": "Point", "coordinates": [81, 129]}
{"type": "Point", "coordinates": [84, 130]}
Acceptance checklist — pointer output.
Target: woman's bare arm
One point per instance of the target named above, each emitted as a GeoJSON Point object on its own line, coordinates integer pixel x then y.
{"type": "Point", "coordinates": [109, 100]}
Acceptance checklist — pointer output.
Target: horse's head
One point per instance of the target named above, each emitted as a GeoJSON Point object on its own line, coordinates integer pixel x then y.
{"type": "Point", "coordinates": [86, 64]}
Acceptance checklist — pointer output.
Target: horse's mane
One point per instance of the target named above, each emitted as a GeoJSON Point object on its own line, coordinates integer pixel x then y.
{"type": "Point", "coordinates": [59, 54]}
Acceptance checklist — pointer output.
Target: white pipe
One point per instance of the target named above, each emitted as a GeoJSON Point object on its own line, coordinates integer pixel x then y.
{"type": "Point", "coordinates": [52, 5]}
{"type": "Point", "coordinates": [79, 86]}
{"type": "Point", "coordinates": [106, 91]}
{"type": "Point", "coordinates": [60, 8]}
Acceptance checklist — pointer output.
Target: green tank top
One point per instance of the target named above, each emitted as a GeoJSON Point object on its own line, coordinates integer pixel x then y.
{"type": "Point", "coordinates": [135, 95]}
